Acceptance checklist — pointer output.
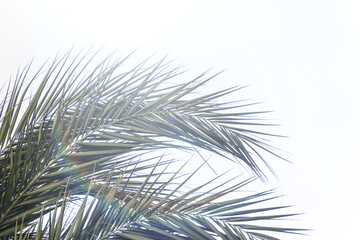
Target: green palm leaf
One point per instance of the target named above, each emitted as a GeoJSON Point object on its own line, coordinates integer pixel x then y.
{"type": "Point", "coordinates": [85, 122]}
{"type": "Point", "coordinates": [153, 212]}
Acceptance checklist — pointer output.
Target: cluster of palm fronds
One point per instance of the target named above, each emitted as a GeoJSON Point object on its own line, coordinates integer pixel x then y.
{"type": "Point", "coordinates": [77, 156]}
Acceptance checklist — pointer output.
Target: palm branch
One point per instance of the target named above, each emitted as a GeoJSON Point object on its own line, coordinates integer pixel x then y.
{"type": "Point", "coordinates": [88, 134]}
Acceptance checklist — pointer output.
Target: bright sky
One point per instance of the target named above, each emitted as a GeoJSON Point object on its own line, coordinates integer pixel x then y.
{"type": "Point", "coordinates": [302, 58]}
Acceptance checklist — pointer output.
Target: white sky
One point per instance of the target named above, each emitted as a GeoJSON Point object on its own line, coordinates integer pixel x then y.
{"type": "Point", "coordinates": [302, 58]}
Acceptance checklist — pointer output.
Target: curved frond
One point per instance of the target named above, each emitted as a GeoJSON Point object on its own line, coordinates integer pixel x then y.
{"type": "Point", "coordinates": [84, 121]}
{"type": "Point", "coordinates": [157, 210]}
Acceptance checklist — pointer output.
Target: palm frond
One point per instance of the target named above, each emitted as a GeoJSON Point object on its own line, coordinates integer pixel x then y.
{"type": "Point", "coordinates": [153, 212]}
{"type": "Point", "coordinates": [85, 121]}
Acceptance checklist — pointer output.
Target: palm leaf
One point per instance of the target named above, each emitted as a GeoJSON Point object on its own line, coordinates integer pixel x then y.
{"type": "Point", "coordinates": [83, 122]}
{"type": "Point", "coordinates": [153, 212]}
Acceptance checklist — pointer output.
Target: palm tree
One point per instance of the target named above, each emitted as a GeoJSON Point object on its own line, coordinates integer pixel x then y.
{"type": "Point", "coordinates": [80, 156]}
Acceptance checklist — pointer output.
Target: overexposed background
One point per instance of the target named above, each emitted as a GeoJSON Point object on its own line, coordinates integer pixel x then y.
{"type": "Point", "coordinates": [301, 58]}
